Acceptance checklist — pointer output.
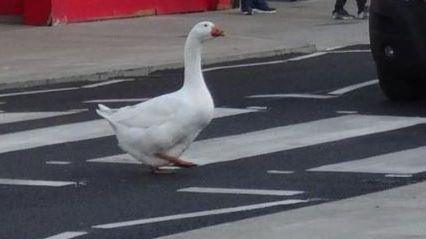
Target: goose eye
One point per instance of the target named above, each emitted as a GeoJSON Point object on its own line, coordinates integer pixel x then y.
{"type": "Point", "coordinates": [205, 25]}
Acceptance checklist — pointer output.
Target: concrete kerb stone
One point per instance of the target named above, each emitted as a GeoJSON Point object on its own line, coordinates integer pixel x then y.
{"type": "Point", "coordinates": [146, 70]}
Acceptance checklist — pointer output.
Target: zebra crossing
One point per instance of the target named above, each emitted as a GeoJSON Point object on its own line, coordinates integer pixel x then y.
{"type": "Point", "coordinates": [283, 138]}
{"type": "Point", "coordinates": [232, 147]}
{"type": "Point", "coordinates": [238, 147]}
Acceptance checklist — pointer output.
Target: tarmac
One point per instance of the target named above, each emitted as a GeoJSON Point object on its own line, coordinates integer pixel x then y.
{"type": "Point", "coordinates": [31, 56]}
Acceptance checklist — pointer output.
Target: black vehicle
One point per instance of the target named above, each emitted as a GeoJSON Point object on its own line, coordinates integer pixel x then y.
{"type": "Point", "coordinates": [398, 43]}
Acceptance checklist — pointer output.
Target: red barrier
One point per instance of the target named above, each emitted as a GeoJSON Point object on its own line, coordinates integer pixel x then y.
{"type": "Point", "coordinates": [13, 7]}
{"type": "Point", "coordinates": [37, 12]}
{"type": "Point", "coordinates": [52, 12]}
{"type": "Point", "coordinates": [177, 6]}
{"type": "Point", "coordinates": [223, 4]}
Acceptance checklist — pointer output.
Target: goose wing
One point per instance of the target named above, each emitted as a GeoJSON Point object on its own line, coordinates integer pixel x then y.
{"type": "Point", "coordinates": [150, 113]}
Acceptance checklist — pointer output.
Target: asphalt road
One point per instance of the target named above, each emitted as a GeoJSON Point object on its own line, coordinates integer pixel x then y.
{"type": "Point", "coordinates": [290, 132]}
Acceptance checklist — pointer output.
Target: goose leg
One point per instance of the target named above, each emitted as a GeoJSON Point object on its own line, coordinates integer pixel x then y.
{"type": "Point", "coordinates": [176, 161]}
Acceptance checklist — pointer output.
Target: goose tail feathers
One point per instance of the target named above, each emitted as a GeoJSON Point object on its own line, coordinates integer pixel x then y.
{"type": "Point", "coordinates": [103, 107]}
{"type": "Point", "coordinates": [104, 112]}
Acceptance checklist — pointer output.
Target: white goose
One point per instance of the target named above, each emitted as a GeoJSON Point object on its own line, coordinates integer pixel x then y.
{"type": "Point", "coordinates": [156, 132]}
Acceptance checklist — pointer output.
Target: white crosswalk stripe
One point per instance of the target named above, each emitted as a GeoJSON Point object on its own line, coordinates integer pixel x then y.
{"type": "Point", "coordinates": [330, 95]}
{"type": "Point", "coordinates": [404, 162]}
{"type": "Point", "coordinates": [104, 83]}
{"type": "Point", "coordinates": [75, 132]}
{"type": "Point", "coordinates": [67, 235]}
{"type": "Point", "coordinates": [240, 191]}
{"type": "Point", "coordinates": [11, 117]}
{"type": "Point", "coordinates": [354, 87]}
{"type": "Point", "coordinates": [97, 101]}
{"type": "Point", "coordinates": [38, 91]}
{"type": "Point", "coordinates": [280, 172]}
{"type": "Point", "coordinates": [27, 182]}
{"type": "Point", "coordinates": [303, 96]}
{"type": "Point", "coordinates": [200, 214]}
{"type": "Point", "coordinates": [277, 139]}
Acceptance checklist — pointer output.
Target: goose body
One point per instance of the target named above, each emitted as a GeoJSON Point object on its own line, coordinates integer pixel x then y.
{"type": "Point", "coordinates": [156, 132]}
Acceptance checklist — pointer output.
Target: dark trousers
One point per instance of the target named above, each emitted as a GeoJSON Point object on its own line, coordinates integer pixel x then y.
{"type": "Point", "coordinates": [250, 4]}
{"type": "Point", "coordinates": [341, 3]}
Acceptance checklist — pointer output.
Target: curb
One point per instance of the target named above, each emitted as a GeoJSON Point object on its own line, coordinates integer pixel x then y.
{"type": "Point", "coordinates": [146, 70]}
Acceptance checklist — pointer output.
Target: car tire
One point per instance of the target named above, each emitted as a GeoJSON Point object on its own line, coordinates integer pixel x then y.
{"type": "Point", "coordinates": [400, 86]}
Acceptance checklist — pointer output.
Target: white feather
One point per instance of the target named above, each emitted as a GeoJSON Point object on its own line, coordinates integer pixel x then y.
{"type": "Point", "coordinates": [168, 123]}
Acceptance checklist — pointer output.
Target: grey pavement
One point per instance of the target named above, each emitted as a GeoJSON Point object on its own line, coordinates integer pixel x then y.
{"type": "Point", "coordinates": [98, 50]}
{"type": "Point", "coordinates": [395, 214]}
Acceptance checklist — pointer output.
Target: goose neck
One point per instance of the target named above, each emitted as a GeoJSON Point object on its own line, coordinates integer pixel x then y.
{"type": "Point", "coordinates": [193, 73]}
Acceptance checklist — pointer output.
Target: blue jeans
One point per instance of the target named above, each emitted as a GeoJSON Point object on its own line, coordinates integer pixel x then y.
{"type": "Point", "coordinates": [250, 4]}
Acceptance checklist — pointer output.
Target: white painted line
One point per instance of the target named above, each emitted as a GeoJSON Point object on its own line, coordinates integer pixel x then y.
{"type": "Point", "coordinates": [283, 138]}
{"type": "Point", "coordinates": [304, 96]}
{"type": "Point", "coordinates": [119, 159]}
{"type": "Point", "coordinates": [299, 58]}
{"type": "Point", "coordinates": [104, 83]}
{"type": "Point", "coordinates": [199, 214]}
{"type": "Point", "coordinates": [25, 182]}
{"type": "Point", "coordinates": [58, 162]}
{"type": "Point", "coordinates": [6, 118]}
{"type": "Point", "coordinates": [98, 101]}
{"type": "Point", "coordinates": [170, 168]}
{"type": "Point", "coordinates": [316, 54]}
{"type": "Point", "coordinates": [398, 175]}
{"type": "Point", "coordinates": [67, 235]}
{"type": "Point", "coordinates": [62, 89]}
{"type": "Point", "coordinates": [240, 191]}
{"type": "Point", "coordinates": [347, 112]}
{"type": "Point", "coordinates": [74, 132]}
{"type": "Point", "coordinates": [260, 108]}
{"type": "Point", "coordinates": [409, 161]}
{"type": "Point", "coordinates": [225, 112]}
{"type": "Point", "coordinates": [330, 95]}
{"type": "Point", "coordinates": [349, 51]}
{"type": "Point", "coordinates": [54, 135]}
{"type": "Point", "coordinates": [354, 87]}
{"type": "Point", "coordinates": [279, 172]}
{"type": "Point", "coordinates": [334, 48]}
{"type": "Point", "coordinates": [38, 91]}
{"type": "Point", "coordinates": [293, 136]}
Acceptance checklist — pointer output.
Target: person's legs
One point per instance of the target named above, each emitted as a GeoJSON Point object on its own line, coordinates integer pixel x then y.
{"type": "Point", "coordinates": [339, 11]}
{"type": "Point", "coordinates": [262, 6]}
{"type": "Point", "coordinates": [247, 6]}
{"type": "Point", "coordinates": [339, 6]}
{"type": "Point", "coordinates": [361, 5]}
{"type": "Point", "coordinates": [362, 9]}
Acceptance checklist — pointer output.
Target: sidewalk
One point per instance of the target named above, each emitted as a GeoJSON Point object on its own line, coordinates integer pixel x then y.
{"type": "Point", "coordinates": [98, 50]}
{"type": "Point", "coordinates": [395, 214]}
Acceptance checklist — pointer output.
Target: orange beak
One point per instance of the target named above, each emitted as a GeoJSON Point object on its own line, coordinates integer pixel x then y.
{"type": "Point", "coordinates": [216, 32]}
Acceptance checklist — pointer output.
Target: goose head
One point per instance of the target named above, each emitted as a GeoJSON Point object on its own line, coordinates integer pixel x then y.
{"type": "Point", "coordinates": [205, 30]}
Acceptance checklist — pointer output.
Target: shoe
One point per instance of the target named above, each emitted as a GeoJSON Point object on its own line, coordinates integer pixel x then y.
{"type": "Point", "coordinates": [247, 12]}
{"type": "Point", "coordinates": [265, 10]}
{"type": "Point", "coordinates": [342, 15]}
{"type": "Point", "coordinates": [364, 14]}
